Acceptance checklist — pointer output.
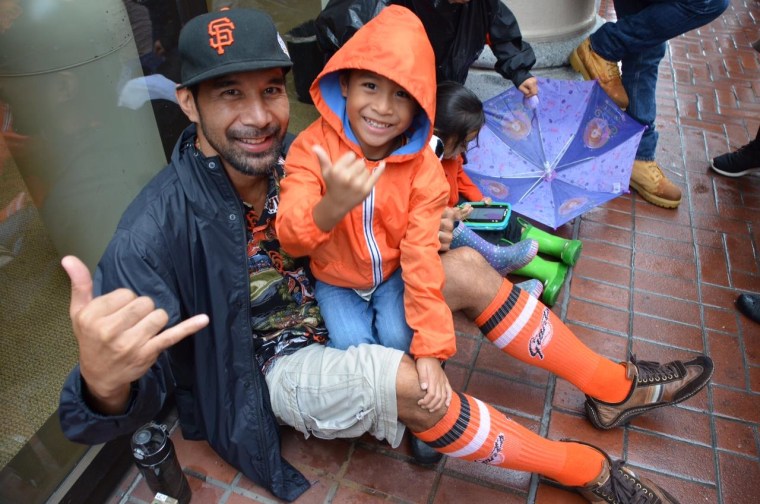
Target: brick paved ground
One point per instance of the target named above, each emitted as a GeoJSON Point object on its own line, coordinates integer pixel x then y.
{"type": "Point", "coordinates": [661, 283]}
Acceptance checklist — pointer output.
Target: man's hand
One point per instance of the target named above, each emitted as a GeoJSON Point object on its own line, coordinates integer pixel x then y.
{"type": "Point", "coordinates": [348, 184]}
{"type": "Point", "coordinates": [119, 336]}
{"type": "Point", "coordinates": [435, 384]}
{"type": "Point", "coordinates": [529, 87]}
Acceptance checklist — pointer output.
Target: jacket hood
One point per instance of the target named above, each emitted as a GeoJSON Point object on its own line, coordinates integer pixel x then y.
{"type": "Point", "coordinates": [393, 44]}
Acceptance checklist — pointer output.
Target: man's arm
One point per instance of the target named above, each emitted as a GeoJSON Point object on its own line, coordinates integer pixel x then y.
{"type": "Point", "coordinates": [514, 56]}
{"type": "Point", "coordinates": [120, 338]}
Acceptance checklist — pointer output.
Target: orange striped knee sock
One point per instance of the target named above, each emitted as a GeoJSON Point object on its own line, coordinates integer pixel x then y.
{"type": "Point", "coordinates": [524, 328]}
{"type": "Point", "coordinates": [476, 431]}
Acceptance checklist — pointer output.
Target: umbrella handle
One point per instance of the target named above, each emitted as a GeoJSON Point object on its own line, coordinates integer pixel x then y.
{"type": "Point", "coordinates": [531, 103]}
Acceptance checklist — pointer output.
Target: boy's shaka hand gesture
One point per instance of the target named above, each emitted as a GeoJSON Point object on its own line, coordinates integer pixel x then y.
{"type": "Point", "coordinates": [348, 184]}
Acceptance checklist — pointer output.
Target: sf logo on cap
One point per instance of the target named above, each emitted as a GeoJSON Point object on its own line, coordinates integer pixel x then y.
{"type": "Point", "coordinates": [221, 34]}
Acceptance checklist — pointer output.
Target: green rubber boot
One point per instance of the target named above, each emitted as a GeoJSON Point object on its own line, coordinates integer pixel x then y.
{"type": "Point", "coordinates": [551, 273]}
{"type": "Point", "coordinates": [567, 250]}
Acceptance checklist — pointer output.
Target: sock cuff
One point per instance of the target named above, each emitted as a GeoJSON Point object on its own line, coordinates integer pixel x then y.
{"type": "Point", "coordinates": [505, 289]}
{"type": "Point", "coordinates": [446, 423]}
{"type": "Point", "coordinates": [458, 229]}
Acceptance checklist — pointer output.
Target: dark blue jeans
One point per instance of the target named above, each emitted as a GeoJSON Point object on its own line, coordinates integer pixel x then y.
{"type": "Point", "coordinates": [638, 39]}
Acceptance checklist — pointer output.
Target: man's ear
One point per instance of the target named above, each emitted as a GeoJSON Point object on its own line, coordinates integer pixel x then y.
{"type": "Point", "coordinates": [186, 102]}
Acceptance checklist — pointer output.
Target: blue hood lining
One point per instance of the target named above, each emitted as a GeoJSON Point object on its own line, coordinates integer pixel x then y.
{"type": "Point", "coordinates": [329, 88]}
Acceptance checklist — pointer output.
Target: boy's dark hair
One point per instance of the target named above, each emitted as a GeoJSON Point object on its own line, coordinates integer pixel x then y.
{"type": "Point", "coordinates": [458, 112]}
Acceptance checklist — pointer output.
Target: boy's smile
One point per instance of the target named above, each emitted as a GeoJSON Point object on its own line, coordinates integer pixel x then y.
{"type": "Point", "coordinates": [379, 111]}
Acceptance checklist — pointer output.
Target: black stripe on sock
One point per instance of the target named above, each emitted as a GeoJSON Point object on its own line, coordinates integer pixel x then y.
{"type": "Point", "coordinates": [502, 312]}
{"type": "Point", "coordinates": [460, 426]}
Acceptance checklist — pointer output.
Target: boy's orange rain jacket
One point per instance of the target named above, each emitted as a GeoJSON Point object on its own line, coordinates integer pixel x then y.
{"type": "Point", "coordinates": [397, 225]}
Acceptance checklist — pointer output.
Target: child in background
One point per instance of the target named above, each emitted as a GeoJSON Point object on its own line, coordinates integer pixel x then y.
{"type": "Point", "coordinates": [363, 197]}
{"type": "Point", "coordinates": [458, 120]}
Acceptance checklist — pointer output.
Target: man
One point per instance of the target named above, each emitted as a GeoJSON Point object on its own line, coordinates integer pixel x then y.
{"type": "Point", "coordinates": [197, 250]}
{"type": "Point", "coordinates": [639, 39]}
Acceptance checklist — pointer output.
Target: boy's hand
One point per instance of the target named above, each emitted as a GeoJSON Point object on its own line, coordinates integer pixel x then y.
{"type": "Point", "coordinates": [464, 211]}
{"type": "Point", "coordinates": [446, 228]}
{"type": "Point", "coordinates": [434, 382]}
{"type": "Point", "coordinates": [529, 87]}
{"type": "Point", "coordinates": [348, 184]}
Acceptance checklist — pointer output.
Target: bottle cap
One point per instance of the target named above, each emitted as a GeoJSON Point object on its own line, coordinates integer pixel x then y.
{"type": "Point", "coordinates": [149, 443]}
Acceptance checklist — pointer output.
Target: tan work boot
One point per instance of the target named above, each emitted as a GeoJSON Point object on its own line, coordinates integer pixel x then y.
{"type": "Point", "coordinates": [654, 385]}
{"type": "Point", "coordinates": [592, 66]}
{"type": "Point", "coordinates": [651, 183]}
{"type": "Point", "coordinates": [618, 484]}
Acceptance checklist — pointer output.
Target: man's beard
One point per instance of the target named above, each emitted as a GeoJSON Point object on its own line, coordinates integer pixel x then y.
{"type": "Point", "coordinates": [248, 163]}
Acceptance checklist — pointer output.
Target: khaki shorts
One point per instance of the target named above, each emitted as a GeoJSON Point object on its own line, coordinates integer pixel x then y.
{"type": "Point", "coordinates": [334, 393]}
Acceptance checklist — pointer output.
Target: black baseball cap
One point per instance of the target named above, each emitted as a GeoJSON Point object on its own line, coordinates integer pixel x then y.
{"type": "Point", "coordinates": [229, 41]}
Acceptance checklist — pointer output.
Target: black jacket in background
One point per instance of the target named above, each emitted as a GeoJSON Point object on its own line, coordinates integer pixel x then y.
{"type": "Point", "coordinates": [456, 32]}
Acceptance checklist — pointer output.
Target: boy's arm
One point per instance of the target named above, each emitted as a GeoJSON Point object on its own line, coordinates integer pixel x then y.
{"type": "Point", "coordinates": [348, 183]}
{"type": "Point", "coordinates": [514, 56]}
{"type": "Point", "coordinates": [426, 310]}
{"type": "Point", "coordinates": [316, 194]}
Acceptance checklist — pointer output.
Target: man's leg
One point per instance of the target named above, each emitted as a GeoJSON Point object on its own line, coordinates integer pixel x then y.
{"type": "Point", "coordinates": [473, 430]}
{"type": "Point", "coordinates": [524, 328]}
{"type": "Point", "coordinates": [638, 39]}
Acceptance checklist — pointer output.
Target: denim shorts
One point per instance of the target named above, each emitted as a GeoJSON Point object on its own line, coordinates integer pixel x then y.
{"type": "Point", "coordinates": [334, 393]}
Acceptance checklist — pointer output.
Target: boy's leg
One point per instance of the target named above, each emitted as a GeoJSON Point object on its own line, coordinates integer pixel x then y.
{"type": "Point", "coordinates": [347, 316]}
{"type": "Point", "coordinates": [387, 304]}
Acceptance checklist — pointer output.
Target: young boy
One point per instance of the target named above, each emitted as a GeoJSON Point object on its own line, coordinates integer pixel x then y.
{"type": "Point", "coordinates": [363, 195]}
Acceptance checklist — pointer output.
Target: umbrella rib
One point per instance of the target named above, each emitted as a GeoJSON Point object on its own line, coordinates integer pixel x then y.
{"type": "Point", "coordinates": [530, 190]}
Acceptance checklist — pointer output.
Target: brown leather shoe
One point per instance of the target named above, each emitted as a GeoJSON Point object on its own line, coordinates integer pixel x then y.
{"type": "Point", "coordinates": [655, 385]}
{"type": "Point", "coordinates": [618, 484]}
{"type": "Point", "coordinates": [651, 183]}
{"type": "Point", "coordinates": [592, 66]}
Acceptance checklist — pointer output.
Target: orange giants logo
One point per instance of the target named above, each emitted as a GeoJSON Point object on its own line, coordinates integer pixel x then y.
{"type": "Point", "coordinates": [221, 34]}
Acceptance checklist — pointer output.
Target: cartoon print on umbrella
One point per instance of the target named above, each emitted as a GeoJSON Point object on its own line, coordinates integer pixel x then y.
{"type": "Point", "coordinates": [573, 152]}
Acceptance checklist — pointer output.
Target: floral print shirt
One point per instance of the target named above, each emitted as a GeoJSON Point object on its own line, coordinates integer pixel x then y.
{"type": "Point", "coordinates": [284, 312]}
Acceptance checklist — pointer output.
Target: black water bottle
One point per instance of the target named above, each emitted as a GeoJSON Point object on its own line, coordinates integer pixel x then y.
{"type": "Point", "coordinates": [154, 455]}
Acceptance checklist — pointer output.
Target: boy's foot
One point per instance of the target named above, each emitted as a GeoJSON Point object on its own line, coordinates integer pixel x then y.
{"type": "Point", "coordinates": [618, 484]}
{"type": "Point", "coordinates": [654, 385]}
{"type": "Point", "coordinates": [651, 183]}
{"type": "Point", "coordinates": [592, 66]}
{"type": "Point", "coordinates": [743, 161]}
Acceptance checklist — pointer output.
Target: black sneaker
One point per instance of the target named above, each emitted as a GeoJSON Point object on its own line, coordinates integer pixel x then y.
{"type": "Point", "coordinates": [743, 161]}
{"type": "Point", "coordinates": [423, 453]}
{"type": "Point", "coordinates": [749, 305]}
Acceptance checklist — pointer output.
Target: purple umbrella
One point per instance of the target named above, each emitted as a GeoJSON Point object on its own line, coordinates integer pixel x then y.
{"type": "Point", "coordinates": [557, 159]}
